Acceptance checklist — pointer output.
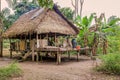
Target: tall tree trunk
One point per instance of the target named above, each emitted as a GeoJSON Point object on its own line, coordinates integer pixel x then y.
{"type": "Point", "coordinates": [1, 40]}
{"type": "Point", "coordinates": [81, 7]}
{"type": "Point", "coordinates": [76, 4]}
{"type": "Point", "coordinates": [76, 7]}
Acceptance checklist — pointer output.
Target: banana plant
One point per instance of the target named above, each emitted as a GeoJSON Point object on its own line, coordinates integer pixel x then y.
{"type": "Point", "coordinates": [104, 29]}
{"type": "Point", "coordinates": [112, 30]}
{"type": "Point", "coordinates": [84, 25]}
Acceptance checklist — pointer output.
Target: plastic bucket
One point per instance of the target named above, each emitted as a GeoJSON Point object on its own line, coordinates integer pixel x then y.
{"type": "Point", "coordinates": [78, 47]}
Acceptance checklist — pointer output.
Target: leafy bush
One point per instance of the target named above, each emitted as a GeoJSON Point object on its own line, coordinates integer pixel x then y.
{"type": "Point", "coordinates": [110, 64]}
{"type": "Point", "coordinates": [11, 70]}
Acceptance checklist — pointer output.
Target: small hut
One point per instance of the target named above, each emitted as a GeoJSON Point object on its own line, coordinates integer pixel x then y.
{"type": "Point", "coordinates": [38, 30]}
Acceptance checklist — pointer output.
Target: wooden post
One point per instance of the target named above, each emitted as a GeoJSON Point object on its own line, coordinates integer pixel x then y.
{"type": "Point", "coordinates": [40, 50]}
{"type": "Point", "coordinates": [10, 50]}
{"type": "Point", "coordinates": [68, 55]}
{"type": "Point", "coordinates": [78, 55]}
{"type": "Point", "coordinates": [10, 53]}
{"type": "Point", "coordinates": [33, 51]}
{"type": "Point", "coordinates": [20, 41]}
{"type": "Point", "coordinates": [38, 45]}
{"type": "Point", "coordinates": [40, 57]}
{"type": "Point", "coordinates": [37, 57]}
{"type": "Point", "coordinates": [58, 57]}
{"type": "Point", "coordinates": [30, 41]}
{"type": "Point", "coordinates": [55, 39]}
{"type": "Point", "coordinates": [25, 42]}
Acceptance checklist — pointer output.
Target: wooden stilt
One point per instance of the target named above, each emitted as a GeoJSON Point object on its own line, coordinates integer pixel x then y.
{"type": "Point", "coordinates": [38, 45]}
{"type": "Point", "coordinates": [58, 58]}
{"type": "Point", "coordinates": [37, 57]}
{"type": "Point", "coordinates": [78, 55]}
{"type": "Point", "coordinates": [41, 57]}
{"type": "Point", "coordinates": [10, 50]}
{"type": "Point", "coordinates": [68, 55]}
{"type": "Point", "coordinates": [33, 53]}
{"type": "Point", "coordinates": [40, 51]}
{"type": "Point", "coordinates": [30, 41]}
{"type": "Point", "coordinates": [10, 53]}
{"type": "Point", "coordinates": [55, 39]}
{"type": "Point", "coordinates": [26, 43]}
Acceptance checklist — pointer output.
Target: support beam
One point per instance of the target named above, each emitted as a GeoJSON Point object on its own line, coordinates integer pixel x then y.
{"type": "Point", "coordinates": [40, 54]}
{"type": "Point", "coordinates": [37, 56]}
{"type": "Point", "coordinates": [55, 39]}
{"type": "Point", "coordinates": [58, 57]}
{"type": "Point", "coordinates": [68, 55]}
{"type": "Point", "coordinates": [11, 54]}
{"type": "Point", "coordinates": [33, 51]}
{"type": "Point", "coordinates": [10, 49]}
{"type": "Point", "coordinates": [78, 53]}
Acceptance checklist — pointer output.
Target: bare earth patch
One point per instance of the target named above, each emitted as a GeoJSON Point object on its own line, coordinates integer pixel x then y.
{"type": "Point", "coordinates": [70, 70]}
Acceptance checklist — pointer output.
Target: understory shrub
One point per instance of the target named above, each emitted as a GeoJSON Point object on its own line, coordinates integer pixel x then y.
{"type": "Point", "coordinates": [110, 64]}
{"type": "Point", "coordinates": [11, 70]}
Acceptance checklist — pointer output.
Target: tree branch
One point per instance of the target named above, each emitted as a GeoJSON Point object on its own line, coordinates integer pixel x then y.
{"type": "Point", "coordinates": [72, 3]}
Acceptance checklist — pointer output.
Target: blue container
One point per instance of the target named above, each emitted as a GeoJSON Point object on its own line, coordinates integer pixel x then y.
{"type": "Point", "coordinates": [74, 43]}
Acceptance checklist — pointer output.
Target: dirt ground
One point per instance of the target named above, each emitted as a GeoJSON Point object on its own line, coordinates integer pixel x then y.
{"type": "Point", "coordinates": [68, 70]}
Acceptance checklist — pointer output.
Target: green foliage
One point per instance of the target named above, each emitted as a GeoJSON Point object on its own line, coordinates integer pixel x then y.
{"type": "Point", "coordinates": [11, 70]}
{"type": "Point", "coordinates": [46, 3]}
{"type": "Point", "coordinates": [19, 9]}
{"type": "Point", "coordinates": [110, 31]}
{"type": "Point", "coordinates": [113, 39]}
{"type": "Point", "coordinates": [3, 16]}
{"type": "Point", "coordinates": [84, 25]}
{"type": "Point", "coordinates": [67, 12]}
{"type": "Point", "coordinates": [8, 21]}
{"type": "Point", "coordinates": [112, 21]}
{"type": "Point", "coordinates": [110, 64]}
{"type": "Point", "coordinates": [24, 7]}
{"type": "Point", "coordinates": [84, 22]}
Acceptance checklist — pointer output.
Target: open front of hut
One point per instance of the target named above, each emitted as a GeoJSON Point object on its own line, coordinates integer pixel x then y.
{"type": "Point", "coordinates": [42, 31]}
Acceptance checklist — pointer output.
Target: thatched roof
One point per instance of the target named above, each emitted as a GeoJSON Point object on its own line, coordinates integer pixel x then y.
{"type": "Point", "coordinates": [41, 21]}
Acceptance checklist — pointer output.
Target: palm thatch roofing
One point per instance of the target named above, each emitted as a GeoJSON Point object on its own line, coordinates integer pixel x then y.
{"type": "Point", "coordinates": [41, 21]}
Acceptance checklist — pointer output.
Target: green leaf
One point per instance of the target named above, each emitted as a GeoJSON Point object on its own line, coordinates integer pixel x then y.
{"type": "Point", "coordinates": [46, 3]}
{"type": "Point", "coordinates": [85, 21]}
{"type": "Point", "coordinates": [90, 19]}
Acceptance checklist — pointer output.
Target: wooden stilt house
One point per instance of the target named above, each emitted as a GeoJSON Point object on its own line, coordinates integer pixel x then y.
{"type": "Point", "coordinates": [39, 31]}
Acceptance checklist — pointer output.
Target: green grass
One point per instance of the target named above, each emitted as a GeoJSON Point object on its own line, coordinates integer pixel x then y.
{"type": "Point", "coordinates": [9, 71]}
{"type": "Point", "coordinates": [110, 64]}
